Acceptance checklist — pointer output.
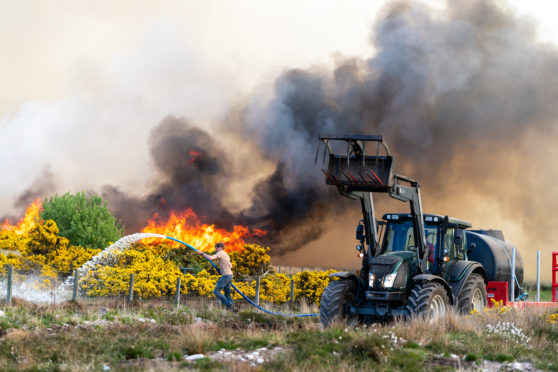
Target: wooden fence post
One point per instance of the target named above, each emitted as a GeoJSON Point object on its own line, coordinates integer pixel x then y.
{"type": "Point", "coordinates": [131, 290]}
{"type": "Point", "coordinates": [9, 286]}
{"type": "Point", "coordinates": [258, 290]}
{"type": "Point", "coordinates": [177, 297]}
{"type": "Point", "coordinates": [74, 295]}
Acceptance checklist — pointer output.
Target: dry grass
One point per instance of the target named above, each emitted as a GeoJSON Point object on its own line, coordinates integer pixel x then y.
{"type": "Point", "coordinates": [154, 336]}
{"type": "Point", "coordinates": [425, 331]}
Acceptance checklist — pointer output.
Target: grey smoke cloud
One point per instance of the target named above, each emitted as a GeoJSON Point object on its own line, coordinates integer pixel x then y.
{"type": "Point", "coordinates": [43, 186]}
{"type": "Point", "coordinates": [465, 99]}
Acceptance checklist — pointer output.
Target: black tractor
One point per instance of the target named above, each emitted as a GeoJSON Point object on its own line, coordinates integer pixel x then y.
{"type": "Point", "coordinates": [413, 264]}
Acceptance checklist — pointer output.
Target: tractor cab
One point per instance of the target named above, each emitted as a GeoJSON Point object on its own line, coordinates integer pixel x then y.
{"type": "Point", "coordinates": [445, 239]}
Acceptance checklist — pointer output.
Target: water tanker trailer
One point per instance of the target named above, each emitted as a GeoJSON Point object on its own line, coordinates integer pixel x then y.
{"type": "Point", "coordinates": [495, 254]}
{"type": "Point", "coordinates": [413, 264]}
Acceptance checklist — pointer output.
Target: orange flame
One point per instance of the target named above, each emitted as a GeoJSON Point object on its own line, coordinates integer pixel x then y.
{"type": "Point", "coordinates": [188, 228]}
{"type": "Point", "coordinates": [28, 221]}
{"type": "Point", "coordinates": [194, 155]}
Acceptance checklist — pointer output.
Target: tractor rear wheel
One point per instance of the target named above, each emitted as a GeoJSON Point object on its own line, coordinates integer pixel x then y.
{"type": "Point", "coordinates": [336, 302]}
{"type": "Point", "coordinates": [428, 300]}
{"type": "Point", "coordinates": [472, 296]}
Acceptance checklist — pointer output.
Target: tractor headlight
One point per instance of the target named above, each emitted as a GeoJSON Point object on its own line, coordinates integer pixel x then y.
{"type": "Point", "coordinates": [371, 279]}
{"type": "Point", "coordinates": [389, 279]}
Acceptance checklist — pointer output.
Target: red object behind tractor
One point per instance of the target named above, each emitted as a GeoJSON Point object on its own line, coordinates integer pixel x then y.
{"type": "Point", "coordinates": [554, 276]}
{"type": "Point", "coordinates": [496, 292]}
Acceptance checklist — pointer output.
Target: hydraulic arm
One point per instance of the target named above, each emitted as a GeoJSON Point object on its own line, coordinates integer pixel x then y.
{"type": "Point", "coordinates": [357, 174]}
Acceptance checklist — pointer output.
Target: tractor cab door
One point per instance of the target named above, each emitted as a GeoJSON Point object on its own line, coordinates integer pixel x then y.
{"type": "Point", "coordinates": [447, 253]}
{"type": "Point", "coordinates": [452, 251]}
{"type": "Point", "coordinates": [433, 238]}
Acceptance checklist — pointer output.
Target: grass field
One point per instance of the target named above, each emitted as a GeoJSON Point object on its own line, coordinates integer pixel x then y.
{"type": "Point", "coordinates": [114, 335]}
{"type": "Point", "coordinates": [545, 294]}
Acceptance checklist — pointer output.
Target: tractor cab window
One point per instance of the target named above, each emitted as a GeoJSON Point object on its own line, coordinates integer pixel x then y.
{"type": "Point", "coordinates": [400, 237]}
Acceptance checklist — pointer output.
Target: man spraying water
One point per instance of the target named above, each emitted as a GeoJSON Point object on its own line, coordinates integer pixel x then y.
{"type": "Point", "coordinates": [225, 281]}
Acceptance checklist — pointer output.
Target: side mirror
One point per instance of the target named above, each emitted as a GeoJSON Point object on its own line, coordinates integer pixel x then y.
{"type": "Point", "coordinates": [472, 247]}
{"type": "Point", "coordinates": [359, 247]}
{"type": "Point", "coordinates": [360, 232]}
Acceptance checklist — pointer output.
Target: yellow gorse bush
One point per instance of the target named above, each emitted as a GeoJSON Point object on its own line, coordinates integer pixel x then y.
{"type": "Point", "coordinates": [67, 259]}
{"type": "Point", "coordinates": [12, 241]}
{"type": "Point", "coordinates": [153, 276]}
{"type": "Point", "coordinates": [9, 259]}
{"type": "Point", "coordinates": [201, 284]}
{"type": "Point", "coordinates": [155, 270]}
{"type": "Point", "coordinates": [274, 288]}
{"type": "Point", "coordinates": [311, 284]}
{"type": "Point", "coordinates": [254, 260]}
{"type": "Point", "coordinates": [246, 287]}
{"type": "Point", "coordinates": [43, 250]}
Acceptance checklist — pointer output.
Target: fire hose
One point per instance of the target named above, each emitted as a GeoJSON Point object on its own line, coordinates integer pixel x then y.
{"type": "Point", "coordinates": [239, 292]}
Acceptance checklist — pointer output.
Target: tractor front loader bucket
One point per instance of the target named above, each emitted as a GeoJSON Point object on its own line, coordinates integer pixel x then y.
{"type": "Point", "coordinates": [351, 168]}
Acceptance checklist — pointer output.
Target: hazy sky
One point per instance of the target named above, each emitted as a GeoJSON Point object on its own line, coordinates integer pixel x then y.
{"type": "Point", "coordinates": [48, 46]}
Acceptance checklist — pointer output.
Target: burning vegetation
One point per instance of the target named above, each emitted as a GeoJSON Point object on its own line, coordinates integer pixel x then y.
{"type": "Point", "coordinates": [28, 221]}
{"type": "Point", "coordinates": [40, 249]}
{"type": "Point", "coordinates": [187, 227]}
{"type": "Point", "coordinates": [184, 226]}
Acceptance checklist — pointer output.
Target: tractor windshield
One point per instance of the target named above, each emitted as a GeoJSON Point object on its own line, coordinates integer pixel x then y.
{"type": "Point", "coordinates": [399, 237]}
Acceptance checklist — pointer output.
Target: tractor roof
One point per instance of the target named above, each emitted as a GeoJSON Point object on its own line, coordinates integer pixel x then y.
{"type": "Point", "coordinates": [435, 219]}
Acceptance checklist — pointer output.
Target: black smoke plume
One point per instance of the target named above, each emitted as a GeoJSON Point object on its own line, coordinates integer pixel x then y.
{"type": "Point", "coordinates": [465, 98]}
{"type": "Point", "coordinates": [191, 171]}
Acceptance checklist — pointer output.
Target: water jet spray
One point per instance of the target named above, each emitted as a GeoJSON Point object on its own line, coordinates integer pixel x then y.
{"type": "Point", "coordinates": [125, 242]}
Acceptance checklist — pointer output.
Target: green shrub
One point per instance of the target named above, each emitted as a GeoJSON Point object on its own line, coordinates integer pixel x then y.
{"type": "Point", "coordinates": [85, 220]}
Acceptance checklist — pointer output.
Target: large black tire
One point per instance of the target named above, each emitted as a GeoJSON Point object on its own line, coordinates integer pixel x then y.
{"type": "Point", "coordinates": [335, 302]}
{"type": "Point", "coordinates": [472, 295]}
{"type": "Point", "coordinates": [428, 300]}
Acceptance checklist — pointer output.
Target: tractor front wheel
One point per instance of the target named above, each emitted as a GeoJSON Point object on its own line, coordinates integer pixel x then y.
{"type": "Point", "coordinates": [472, 296]}
{"type": "Point", "coordinates": [336, 301]}
{"type": "Point", "coordinates": [428, 300]}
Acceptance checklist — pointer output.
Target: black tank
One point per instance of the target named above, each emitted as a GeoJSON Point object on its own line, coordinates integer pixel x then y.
{"type": "Point", "coordinates": [495, 254]}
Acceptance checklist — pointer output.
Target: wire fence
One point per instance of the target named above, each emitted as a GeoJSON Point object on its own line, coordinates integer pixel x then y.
{"type": "Point", "coordinates": [291, 270]}
{"type": "Point", "coordinates": [37, 288]}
